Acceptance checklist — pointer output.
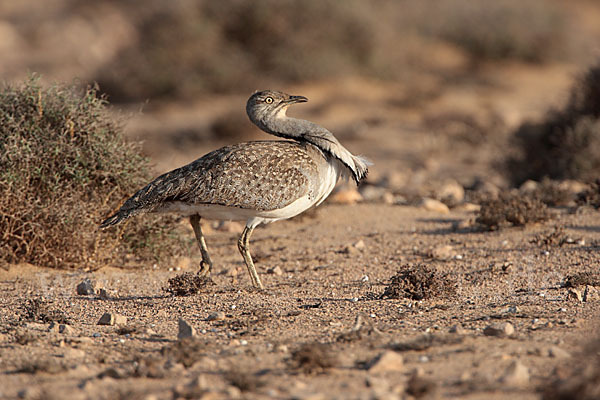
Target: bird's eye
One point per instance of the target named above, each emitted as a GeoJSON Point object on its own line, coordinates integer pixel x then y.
{"type": "Point", "coordinates": [269, 100]}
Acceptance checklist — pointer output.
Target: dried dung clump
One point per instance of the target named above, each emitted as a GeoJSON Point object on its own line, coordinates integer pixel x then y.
{"type": "Point", "coordinates": [38, 310]}
{"type": "Point", "coordinates": [187, 284]}
{"type": "Point", "coordinates": [417, 283]}
{"type": "Point", "coordinates": [582, 279]}
{"type": "Point", "coordinates": [314, 358]}
{"type": "Point", "coordinates": [512, 209]}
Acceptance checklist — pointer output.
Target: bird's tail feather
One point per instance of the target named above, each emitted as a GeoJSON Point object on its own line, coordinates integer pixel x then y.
{"type": "Point", "coordinates": [116, 218]}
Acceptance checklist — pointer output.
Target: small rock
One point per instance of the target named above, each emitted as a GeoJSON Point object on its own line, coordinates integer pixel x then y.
{"type": "Point", "coordinates": [216, 316]}
{"type": "Point", "coordinates": [185, 330]}
{"type": "Point", "coordinates": [387, 361]}
{"type": "Point", "coordinates": [62, 328]}
{"type": "Point", "coordinates": [515, 375]}
{"type": "Point", "coordinates": [434, 205]}
{"type": "Point", "coordinates": [85, 288]}
{"type": "Point", "coordinates": [458, 329]}
{"type": "Point", "coordinates": [373, 194]}
{"type": "Point", "coordinates": [112, 319]}
{"type": "Point", "coordinates": [346, 196]}
{"type": "Point", "coordinates": [275, 271]}
{"type": "Point", "coordinates": [503, 329]}
{"type": "Point", "coordinates": [451, 193]}
{"type": "Point", "coordinates": [575, 294]}
{"type": "Point", "coordinates": [360, 245]}
{"type": "Point", "coordinates": [103, 294]}
{"type": "Point", "coordinates": [444, 252]}
{"type": "Point", "coordinates": [591, 293]}
{"type": "Point", "coordinates": [529, 186]}
{"type": "Point", "coordinates": [557, 352]}
{"type": "Point", "coordinates": [468, 207]}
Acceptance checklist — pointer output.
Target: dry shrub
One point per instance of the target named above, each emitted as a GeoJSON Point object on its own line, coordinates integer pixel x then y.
{"type": "Point", "coordinates": [39, 310]}
{"type": "Point", "coordinates": [63, 165]}
{"type": "Point", "coordinates": [417, 283]}
{"type": "Point", "coordinates": [189, 47]}
{"type": "Point", "coordinates": [187, 284]}
{"type": "Point", "coordinates": [502, 29]}
{"type": "Point", "coordinates": [512, 209]}
{"type": "Point", "coordinates": [567, 144]}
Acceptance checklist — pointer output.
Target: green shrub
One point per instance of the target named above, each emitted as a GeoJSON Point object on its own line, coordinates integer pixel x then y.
{"type": "Point", "coordinates": [63, 165]}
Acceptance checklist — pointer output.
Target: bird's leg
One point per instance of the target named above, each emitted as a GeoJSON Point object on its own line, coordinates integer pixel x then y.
{"type": "Point", "coordinates": [206, 263]}
{"type": "Point", "coordinates": [243, 245]}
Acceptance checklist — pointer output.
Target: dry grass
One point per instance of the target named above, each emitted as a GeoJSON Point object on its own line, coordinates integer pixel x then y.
{"type": "Point", "coordinates": [63, 165]}
{"type": "Point", "coordinates": [513, 209]}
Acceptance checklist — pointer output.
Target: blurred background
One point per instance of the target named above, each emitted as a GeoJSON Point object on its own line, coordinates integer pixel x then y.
{"type": "Point", "coordinates": [432, 91]}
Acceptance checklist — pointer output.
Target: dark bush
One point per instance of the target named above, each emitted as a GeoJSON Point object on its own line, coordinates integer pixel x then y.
{"type": "Point", "coordinates": [567, 144]}
{"type": "Point", "coordinates": [63, 165]}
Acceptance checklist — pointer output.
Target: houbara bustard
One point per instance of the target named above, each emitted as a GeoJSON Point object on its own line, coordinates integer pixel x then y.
{"type": "Point", "coordinates": [259, 182]}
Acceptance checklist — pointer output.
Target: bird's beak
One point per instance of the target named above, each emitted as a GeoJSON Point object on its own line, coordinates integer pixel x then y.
{"type": "Point", "coordinates": [296, 99]}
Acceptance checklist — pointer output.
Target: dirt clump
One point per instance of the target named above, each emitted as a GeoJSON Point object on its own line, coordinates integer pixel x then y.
{"type": "Point", "coordinates": [244, 380]}
{"type": "Point", "coordinates": [417, 283]}
{"type": "Point", "coordinates": [187, 284]}
{"type": "Point", "coordinates": [185, 351]}
{"type": "Point", "coordinates": [512, 209]}
{"type": "Point", "coordinates": [312, 358]}
{"type": "Point", "coordinates": [38, 310]}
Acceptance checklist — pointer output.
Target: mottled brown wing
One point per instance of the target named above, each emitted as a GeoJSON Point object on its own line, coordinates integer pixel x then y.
{"type": "Point", "coordinates": [265, 175]}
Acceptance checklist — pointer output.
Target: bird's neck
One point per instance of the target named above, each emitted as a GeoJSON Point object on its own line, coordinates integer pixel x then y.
{"type": "Point", "coordinates": [305, 131]}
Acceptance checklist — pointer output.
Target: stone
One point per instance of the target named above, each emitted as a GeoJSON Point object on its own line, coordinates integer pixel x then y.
{"type": "Point", "coordinates": [216, 316]}
{"type": "Point", "coordinates": [386, 362]}
{"type": "Point", "coordinates": [575, 294]}
{"type": "Point", "coordinates": [591, 293]}
{"type": "Point", "coordinates": [62, 328]}
{"type": "Point", "coordinates": [468, 207]}
{"type": "Point", "coordinates": [434, 205]}
{"type": "Point", "coordinates": [360, 245]}
{"type": "Point", "coordinates": [373, 194]}
{"type": "Point", "coordinates": [112, 319]}
{"type": "Point", "coordinates": [529, 186]}
{"type": "Point", "coordinates": [557, 352]}
{"type": "Point", "coordinates": [444, 252]}
{"type": "Point", "coordinates": [86, 287]}
{"type": "Point", "coordinates": [458, 329]}
{"type": "Point", "coordinates": [516, 374]}
{"type": "Point", "coordinates": [346, 196]}
{"type": "Point", "coordinates": [503, 329]}
{"type": "Point", "coordinates": [275, 271]}
{"type": "Point", "coordinates": [185, 330]}
{"type": "Point", "coordinates": [103, 294]}
{"type": "Point", "coordinates": [451, 193]}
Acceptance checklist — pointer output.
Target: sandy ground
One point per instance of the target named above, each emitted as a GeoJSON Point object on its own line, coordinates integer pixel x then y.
{"type": "Point", "coordinates": [321, 329]}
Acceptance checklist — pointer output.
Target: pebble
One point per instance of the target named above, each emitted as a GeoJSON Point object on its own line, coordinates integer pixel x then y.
{"type": "Point", "coordinates": [434, 205]}
{"type": "Point", "coordinates": [387, 361]}
{"type": "Point", "coordinates": [275, 271]}
{"type": "Point", "coordinates": [503, 329]}
{"type": "Point", "coordinates": [515, 375]}
{"type": "Point", "coordinates": [575, 294]}
{"type": "Point", "coordinates": [557, 352]}
{"type": "Point", "coordinates": [112, 319]}
{"type": "Point", "coordinates": [373, 194]}
{"type": "Point", "coordinates": [445, 252]}
{"type": "Point", "coordinates": [185, 330]}
{"type": "Point", "coordinates": [85, 288]}
{"type": "Point", "coordinates": [458, 329]}
{"type": "Point", "coordinates": [591, 293]}
{"type": "Point", "coordinates": [451, 192]}
{"type": "Point", "coordinates": [62, 328]}
{"type": "Point", "coordinates": [103, 294]}
{"type": "Point", "coordinates": [216, 316]}
{"type": "Point", "coordinates": [360, 245]}
{"type": "Point", "coordinates": [346, 196]}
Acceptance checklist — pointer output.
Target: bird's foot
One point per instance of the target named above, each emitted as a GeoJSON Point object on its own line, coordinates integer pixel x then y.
{"type": "Point", "coordinates": [205, 269]}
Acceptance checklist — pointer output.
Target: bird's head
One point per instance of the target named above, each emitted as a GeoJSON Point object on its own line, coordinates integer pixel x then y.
{"type": "Point", "coordinates": [268, 104]}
